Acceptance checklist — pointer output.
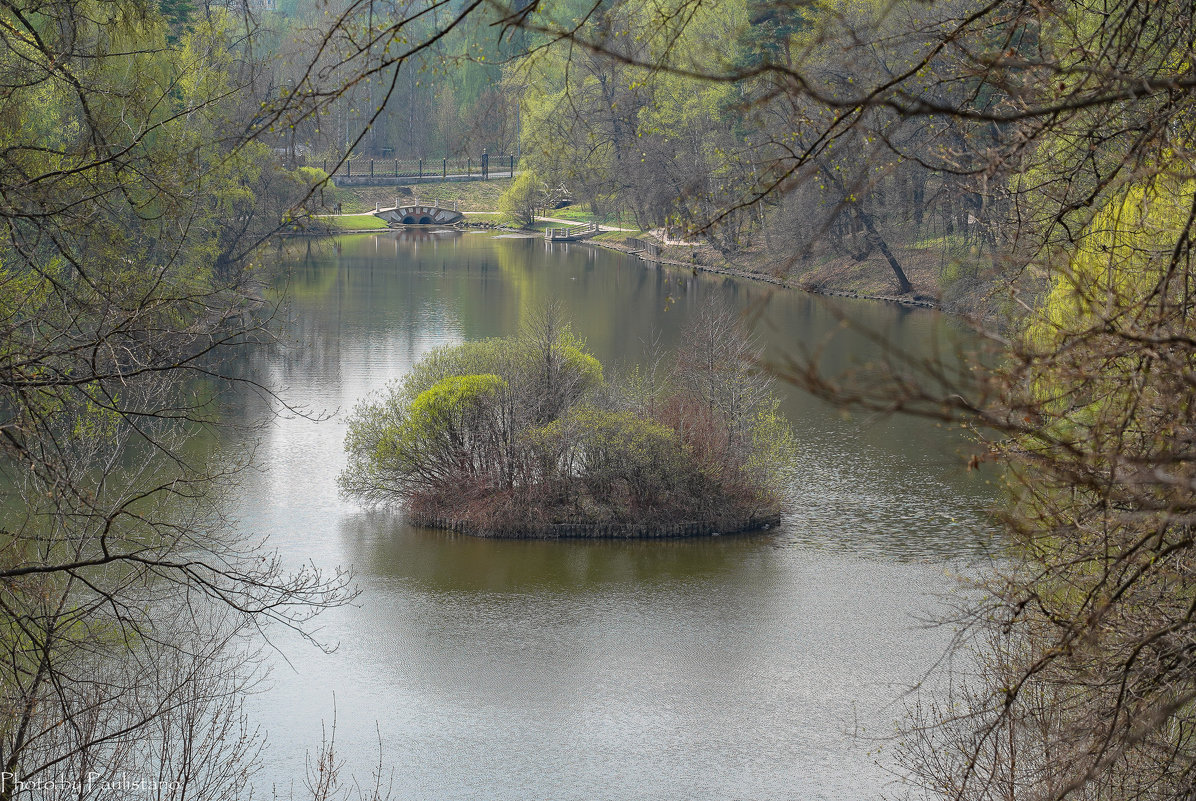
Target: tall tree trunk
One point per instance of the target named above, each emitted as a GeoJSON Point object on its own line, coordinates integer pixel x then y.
{"type": "Point", "coordinates": [903, 284]}
{"type": "Point", "coordinates": [874, 237]}
{"type": "Point", "coordinates": [918, 180]}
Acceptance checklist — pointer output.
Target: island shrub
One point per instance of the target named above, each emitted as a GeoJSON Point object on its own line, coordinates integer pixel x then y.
{"type": "Point", "coordinates": [526, 436]}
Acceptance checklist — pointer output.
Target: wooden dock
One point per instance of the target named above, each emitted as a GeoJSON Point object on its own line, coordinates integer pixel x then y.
{"type": "Point", "coordinates": [571, 233]}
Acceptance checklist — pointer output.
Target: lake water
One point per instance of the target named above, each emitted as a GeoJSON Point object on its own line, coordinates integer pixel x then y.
{"type": "Point", "coordinates": [768, 666]}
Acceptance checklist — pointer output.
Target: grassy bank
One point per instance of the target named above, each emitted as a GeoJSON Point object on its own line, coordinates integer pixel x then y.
{"type": "Point", "coordinates": [353, 222]}
{"type": "Point", "coordinates": [472, 195]}
{"type": "Point", "coordinates": [580, 213]}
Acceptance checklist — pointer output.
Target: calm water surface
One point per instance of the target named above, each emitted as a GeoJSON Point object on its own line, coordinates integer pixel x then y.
{"type": "Point", "coordinates": [761, 667]}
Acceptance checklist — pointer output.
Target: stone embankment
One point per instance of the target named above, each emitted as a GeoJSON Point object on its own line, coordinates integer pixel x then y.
{"type": "Point", "coordinates": [614, 531]}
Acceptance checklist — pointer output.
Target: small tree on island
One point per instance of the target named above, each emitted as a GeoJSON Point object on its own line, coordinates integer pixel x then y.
{"type": "Point", "coordinates": [513, 436]}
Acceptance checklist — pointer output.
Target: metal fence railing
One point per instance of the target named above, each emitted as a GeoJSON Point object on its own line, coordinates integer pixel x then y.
{"type": "Point", "coordinates": [484, 167]}
{"type": "Point", "coordinates": [648, 249]}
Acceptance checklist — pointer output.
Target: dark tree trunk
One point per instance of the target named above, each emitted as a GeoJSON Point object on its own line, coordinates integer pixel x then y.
{"type": "Point", "coordinates": [873, 235]}
{"type": "Point", "coordinates": [918, 180]}
{"type": "Point", "coordinates": [903, 284]}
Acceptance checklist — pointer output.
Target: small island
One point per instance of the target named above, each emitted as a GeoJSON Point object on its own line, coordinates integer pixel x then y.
{"type": "Point", "coordinates": [527, 437]}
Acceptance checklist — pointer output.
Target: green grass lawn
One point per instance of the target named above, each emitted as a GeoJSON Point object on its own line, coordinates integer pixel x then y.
{"type": "Point", "coordinates": [581, 213]}
{"type": "Point", "coordinates": [613, 236]}
{"type": "Point", "coordinates": [472, 195]}
{"type": "Point", "coordinates": [353, 223]}
{"type": "Point", "coordinates": [497, 219]}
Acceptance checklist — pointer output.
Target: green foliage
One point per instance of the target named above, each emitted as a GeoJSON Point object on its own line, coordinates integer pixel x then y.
{"type": "Point", "coordinates": [658, 142]}
{"type": "Point", "coordinates": [583, 365]}
{"type": "Point", "coordinates": [468, 358]}
{"type": "Point", "coordinates": [326, 194]}
{"type": "Point", "coordinates": [774, 450]}
{"type": "Point", "coordinates": [449, 397]}
{"type": "Point", "coordinates": [177, 15]}
{"type": "Point", "coordinates": [444, 410]}
{"type": "Point", "coordinates": [134, 202]}
{"type": "Point", "coordinates": [522, 198]}
{"type": "Point", "coordinates": [608, 445]}
{"type": "Point", "coordinates": [1119, 258]}
{"type": "Point", "coordinates": [526, 428]}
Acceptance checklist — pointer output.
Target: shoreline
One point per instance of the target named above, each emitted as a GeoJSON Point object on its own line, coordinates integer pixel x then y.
{"type": "Point", "coordinates": [598, 531]}
{"type": "Point", "coordinates": [915, 301]}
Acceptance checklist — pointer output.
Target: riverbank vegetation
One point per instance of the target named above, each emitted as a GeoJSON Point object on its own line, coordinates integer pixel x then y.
{"type": "Point", "coordinates": [475, 196]}
{"type": "Point", "coordinates": [527, 437]}
{"type": "Point", "coordinates": [132, 206]}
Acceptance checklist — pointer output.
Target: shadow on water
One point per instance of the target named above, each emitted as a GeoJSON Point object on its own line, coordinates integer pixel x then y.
{"type": "Point", "coordinates": [419, 236]}
{"type": "Point", "coordinates": [381, 544]}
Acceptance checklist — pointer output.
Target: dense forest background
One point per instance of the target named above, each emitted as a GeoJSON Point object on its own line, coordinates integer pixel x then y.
{"type": "Point", "coordinates": [741, 127]}
{"type": "Point", "coordinates": [671, 121]}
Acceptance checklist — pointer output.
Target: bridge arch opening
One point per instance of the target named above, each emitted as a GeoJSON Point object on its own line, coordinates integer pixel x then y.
{"type": "Point", "coordinates": [408, 220]}
{"type": "Point", "coordinates": [425, 220]}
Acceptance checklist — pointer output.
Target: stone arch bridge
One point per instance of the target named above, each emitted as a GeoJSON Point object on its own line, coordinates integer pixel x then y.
{"type": "Point", "coordinates": [416, 213]}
